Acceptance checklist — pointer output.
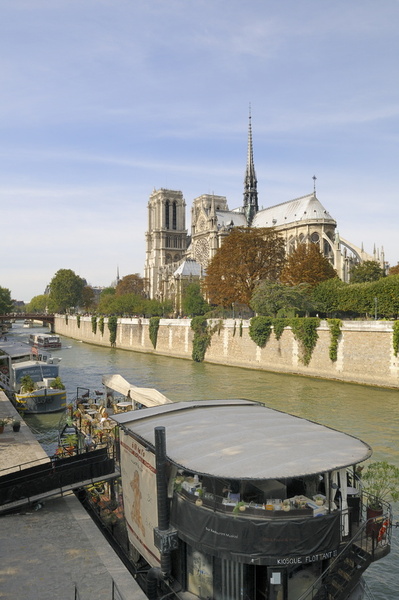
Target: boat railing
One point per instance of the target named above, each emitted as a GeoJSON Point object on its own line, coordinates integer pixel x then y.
{"type": "Point", "coordinates": [371, 542]}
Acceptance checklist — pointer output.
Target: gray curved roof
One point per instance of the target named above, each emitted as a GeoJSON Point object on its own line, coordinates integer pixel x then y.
{"type": "Point", "coordinates": [244, 440]}
{"type": "Point", "coordinates": [306, 208]}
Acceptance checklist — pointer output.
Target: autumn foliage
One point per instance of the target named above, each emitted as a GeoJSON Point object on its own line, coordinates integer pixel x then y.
{"type": "Point", "coordinates": [306, 264]}
{"type": "Point", "coordinates": [246, 257]}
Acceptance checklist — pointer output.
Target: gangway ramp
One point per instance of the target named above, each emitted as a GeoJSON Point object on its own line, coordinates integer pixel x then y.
{"type": "Point", "coordinates": [40, 480]}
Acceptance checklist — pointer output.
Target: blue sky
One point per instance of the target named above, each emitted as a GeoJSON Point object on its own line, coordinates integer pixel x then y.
{"type": "Point", "coordinates": [104, 100]}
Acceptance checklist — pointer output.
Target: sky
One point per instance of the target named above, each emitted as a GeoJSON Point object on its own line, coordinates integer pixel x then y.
{"type": "Point", "coordinates": [103, 101]}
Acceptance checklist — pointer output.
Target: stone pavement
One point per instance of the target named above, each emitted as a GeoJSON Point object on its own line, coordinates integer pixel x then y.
{"type": "Point", "coordinates": [45, 552]}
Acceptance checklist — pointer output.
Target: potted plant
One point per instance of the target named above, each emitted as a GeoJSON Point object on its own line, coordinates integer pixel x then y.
{"type": "Point", "coordinates": [16, 425]}
{"type": "Point", "coordinates": [27, 384]}
{"type": "Point", "coordinates": [381, 483]}
{"type": "Point", "coordinates": [57, 384]}
{"type": "Point", "coordinates": [240, 506]}
{"type": "Point", "coordinates": [3, 423]}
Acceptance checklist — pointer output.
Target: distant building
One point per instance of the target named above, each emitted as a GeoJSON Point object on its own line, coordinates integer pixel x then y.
{"type": "Point", "coordinates": [174, 258]}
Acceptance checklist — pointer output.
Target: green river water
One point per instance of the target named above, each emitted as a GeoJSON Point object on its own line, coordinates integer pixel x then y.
{"type": "Point", "coordinates": [371, 414]}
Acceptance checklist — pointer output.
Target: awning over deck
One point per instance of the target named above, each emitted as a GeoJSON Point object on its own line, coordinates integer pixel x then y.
{"type": "Point", "coordinates": [148, 397]}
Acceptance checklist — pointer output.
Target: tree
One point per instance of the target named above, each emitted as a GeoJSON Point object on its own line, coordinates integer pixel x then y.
{"type": "Point", "coordinates": [306, 264]}
{"type": "Point", "coordinates": [246, 257]}
{"type": "Point", "coordinates": [88, 298]}
{"type": "Point", "coordinates": [6, 303]}
{"type": "Point", "coordinates": [326, 295]}
{"type": "Point", "coordinates": [130, 284]}
{"type": "Point", "coordinates": [193, 302]}
{"type": "Point", "coordinates": [369, 270]}
{"type": "Point", "coordinates": [272, 299]}
{"type": "Point", "coordinates": [38, 304]}
{"type": "Point", "coordinates": [66, 289]}
{"type": "Point", "coordinates": [394, 270]}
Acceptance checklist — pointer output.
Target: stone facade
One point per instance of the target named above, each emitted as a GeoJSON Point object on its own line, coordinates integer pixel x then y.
{"type": "Point", "coordinates": [365, 349]}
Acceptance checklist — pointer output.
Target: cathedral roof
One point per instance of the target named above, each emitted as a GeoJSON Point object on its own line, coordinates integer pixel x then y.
{"type": "Point", "coordinates": [189, 268]}
{"type": "Point", "coordinates": [306, 208]}
{"type": "Point", "coordinates": [230, 218]}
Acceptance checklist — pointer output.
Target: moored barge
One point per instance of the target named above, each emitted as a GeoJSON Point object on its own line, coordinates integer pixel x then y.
{"type": "Point", "coordinates": [231, 500]}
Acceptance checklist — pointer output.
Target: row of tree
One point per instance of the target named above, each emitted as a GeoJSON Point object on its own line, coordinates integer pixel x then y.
{"type": "Point", "coordinates": [250, 269]}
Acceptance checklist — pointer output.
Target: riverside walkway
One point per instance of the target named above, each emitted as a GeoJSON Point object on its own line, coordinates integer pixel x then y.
{"type": "Point", "coordinates": [56, 551]}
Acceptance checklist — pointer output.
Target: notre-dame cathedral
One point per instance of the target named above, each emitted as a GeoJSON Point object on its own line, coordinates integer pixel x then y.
{"type": "Point", "coordinates": [174, 258]}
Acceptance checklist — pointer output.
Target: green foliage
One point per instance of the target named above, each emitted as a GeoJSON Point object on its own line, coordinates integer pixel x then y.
{"type": "Point", "coordinates": [260, 329]}
{"type": "Point", "coordinates": [369, 270]}
{"type": "Point", "coordinates": [153, 330]}
{"type": "Point", "coordinates": [193, 302]}
{"type": "Point", "coordinates": [101, 325]}
{"type": "Point", "coordinates": [325, 295]}
{"type": "Point", "coordinates": [112, 326]}
{"type": "Point", "coordinates": [66, 290]}
{"type": "Point", "coordinates": [27, 384]}
{"type": "Point", "coordinates": [57, 384]}
{"type": "Point", "coordinates": [277, 299]}
{"type": "Point", "coordinates": [78, 321]}
{"type": "Point", "coordinates": [396, 338]}
{"type": "Point", "coordinates": [6, 303]}
{"type": "Point", "coordinates": [94, 324]}
{"type": "Point", "coordinates": [334, 326]}
{"type": "Point", "coordinates": [38, 304]}
{"type": "Point", "coordinates": [305, 331]}
{"type": "Point", "coordinates": [381, 481]}
{"type": "Point", "coordinates": [279, 325]}
{"type": "Point", "coordinates": [202, 338]}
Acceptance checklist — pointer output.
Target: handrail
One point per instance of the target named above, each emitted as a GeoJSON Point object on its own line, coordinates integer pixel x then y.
{"type": "Point", "coordinates": [361, 534]}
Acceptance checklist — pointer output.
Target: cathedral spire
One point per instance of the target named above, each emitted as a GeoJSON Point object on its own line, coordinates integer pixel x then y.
{"type": "Point", "coordinates": [250, 181]}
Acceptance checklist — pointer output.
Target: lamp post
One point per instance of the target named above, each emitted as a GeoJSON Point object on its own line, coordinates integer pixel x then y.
{"type": "Point", "coordinates": [375, 307]}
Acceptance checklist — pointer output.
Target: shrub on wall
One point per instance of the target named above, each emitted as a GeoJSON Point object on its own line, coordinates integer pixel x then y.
{"type": "Point", "coordinates": [334, 326]}
{"type": "Point", "coordinates": [396, 338]}
{"type": "Point", "coordinates": [94, 324]}
{"type": "Point", "coordinates": [260, 329]}
{"type": "Point", "coordinates": [305, 331]}
{"type": "Point", "coordinates": [101, 325]}
{"type": "Point", "coordinates": [112, 326]}
{"type": "Point", "coordinates": [78, 321]}
{"type": "Point", "coordinates": [279, 324]}
{"type": "Point", "coordinates": [153, 330]}
{"type": "Point", "coordinates": [202, 338]}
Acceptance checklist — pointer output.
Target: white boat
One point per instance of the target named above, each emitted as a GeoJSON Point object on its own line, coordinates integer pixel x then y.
{"type": "Point", "coordinates": [229, 499]}
{"type": "Point", "coordinates": [48, 341]}
{"type": "Point", "coordinates": [38, 371]}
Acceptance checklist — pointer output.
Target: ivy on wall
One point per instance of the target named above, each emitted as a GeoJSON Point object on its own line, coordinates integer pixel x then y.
{"type": "Point", "coordinates": [101, 325]}
{"type": "Point", "coordinates": [396, 338]}
{"type": "Point", "coordinates": [305, 331]}
{"type": "Point", "coordinates": [334, 326]}
{"type": "Point", "coordinates": [94, 324]}
{"type": "Point", "coordinates": [202, 338]}
{"type": "Point", "coordinates": [279, 324]}
{"type": "Point", "coordinates": [260, 329]}
{"type": "Point", "coordinates": [78, 321]}
{"type": "Point", "coordinates": [112, 326]}
{"type": "Point", "coordinates": [153, 330]}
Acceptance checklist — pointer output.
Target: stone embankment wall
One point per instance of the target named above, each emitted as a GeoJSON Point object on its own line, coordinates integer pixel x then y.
{"type": "Point", "coordinates": [365, 349]}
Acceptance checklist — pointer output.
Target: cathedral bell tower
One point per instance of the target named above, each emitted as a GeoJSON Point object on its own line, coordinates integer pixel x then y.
{"type": "Point", "coordinates": [250, 182]}
{"type": "Point", "coordinates": [166, 236]}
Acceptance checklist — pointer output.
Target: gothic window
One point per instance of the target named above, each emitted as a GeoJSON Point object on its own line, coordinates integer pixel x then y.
{"type": "Point", "coordinates": [168, 259]}
{"type": "Point", "coordinates": [167, 214]}
{"type": "Point", "coordinates": [167, 241]}
{"type": "Point", "coordinates": [315, 237]}
{"type": "Point", "coordinates": [174, 216]}
{"type": "Point", "coordinates": [202, 251]}
{"type": "Point", "coordinates": [176, 258]}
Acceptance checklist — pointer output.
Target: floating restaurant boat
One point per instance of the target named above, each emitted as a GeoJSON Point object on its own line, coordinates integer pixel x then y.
{"type": "Point", "coordinates": [45, 340]}
{"type": "Point", "coordinates": [31, 379]}
{"type": "Point", "coordinates": [231, 500]}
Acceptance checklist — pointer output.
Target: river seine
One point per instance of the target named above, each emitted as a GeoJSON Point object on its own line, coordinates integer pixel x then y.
{"type": "Point", "coordinates": [371, 414]}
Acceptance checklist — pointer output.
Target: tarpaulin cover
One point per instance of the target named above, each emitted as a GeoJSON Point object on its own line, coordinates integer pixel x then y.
{"type": "Point", "coordinates": [245, 539]}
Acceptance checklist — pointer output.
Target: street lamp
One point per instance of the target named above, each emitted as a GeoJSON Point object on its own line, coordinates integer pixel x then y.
{"type": "Point", "coordinates": [375, 307]}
